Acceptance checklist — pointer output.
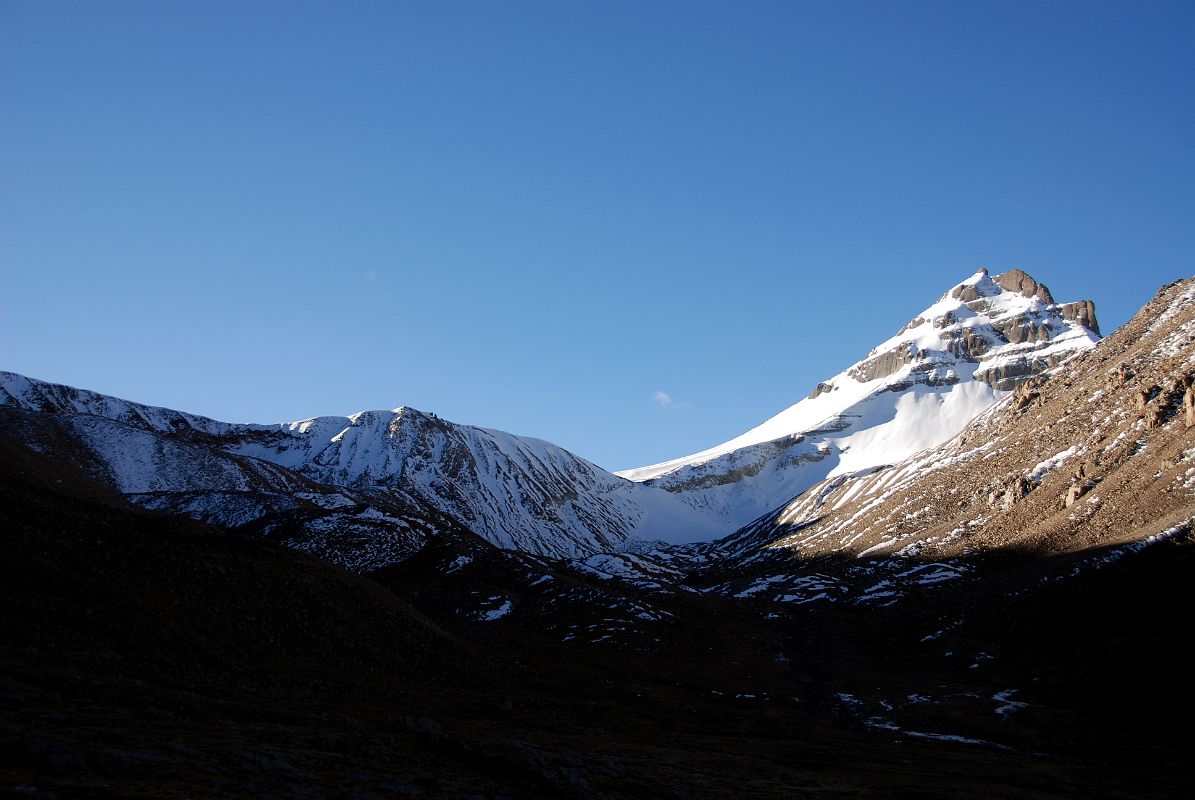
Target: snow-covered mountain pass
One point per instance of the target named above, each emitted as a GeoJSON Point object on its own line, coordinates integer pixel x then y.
{"type": "Point", "coordinates": [402, 466]}
{"type": "Point", "coordinates": [914, 391]}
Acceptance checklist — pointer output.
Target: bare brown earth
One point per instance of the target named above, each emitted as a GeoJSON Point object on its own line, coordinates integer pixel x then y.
{"type": "Point", "coordinates": [1098, 452]}
{"type": "Point", "coordinates": [147, 656]}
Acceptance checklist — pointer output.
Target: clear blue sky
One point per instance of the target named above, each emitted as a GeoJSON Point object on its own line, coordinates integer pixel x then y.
{"type": "Point", "coordinates": [535, 216]}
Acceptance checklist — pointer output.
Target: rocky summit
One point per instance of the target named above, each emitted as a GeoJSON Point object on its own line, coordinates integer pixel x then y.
{"type": "Point", "coordinates": [914, 391]}
{"type": "Point", "coordinates": [957, 568]}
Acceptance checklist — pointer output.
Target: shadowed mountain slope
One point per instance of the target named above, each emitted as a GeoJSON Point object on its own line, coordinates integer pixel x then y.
{"type": "Point", "coordinates": [147, 656]}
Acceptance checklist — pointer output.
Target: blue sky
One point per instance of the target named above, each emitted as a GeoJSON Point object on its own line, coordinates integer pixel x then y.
{"type": "Point", "coordinates": [537, 216]}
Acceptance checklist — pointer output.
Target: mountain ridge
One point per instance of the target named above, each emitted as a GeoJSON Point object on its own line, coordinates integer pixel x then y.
{"type": "Point", "coordinates": [912, 391]}
{"type": "Point", "coordinates": [398, 476]}
{"type": "Point", "coordinates": [1094, 453]}
{"type": "Point", "coordinates": [513, 491]}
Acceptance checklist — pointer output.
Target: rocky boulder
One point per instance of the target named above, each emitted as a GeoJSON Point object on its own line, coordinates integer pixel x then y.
{"type": "Point", "coordinates": [1082, 312]}
{"type": "Point", "coordinates": [1016, 280]}
{"type": "Point", "coordinates": [885, 364]}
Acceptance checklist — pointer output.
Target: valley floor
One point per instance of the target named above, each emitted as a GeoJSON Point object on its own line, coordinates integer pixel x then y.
{"type": "Point", "coordinates": [148, 657]}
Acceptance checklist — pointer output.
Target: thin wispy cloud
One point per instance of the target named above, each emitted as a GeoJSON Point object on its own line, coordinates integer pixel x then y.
{"type": "Point", "coordinates": [662, 398]}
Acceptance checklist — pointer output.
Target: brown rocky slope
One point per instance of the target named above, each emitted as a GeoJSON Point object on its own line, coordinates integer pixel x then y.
{"type": "Point", "coordinates": [1097, 452]}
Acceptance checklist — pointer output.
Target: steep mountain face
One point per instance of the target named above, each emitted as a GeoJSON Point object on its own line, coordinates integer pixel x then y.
{"type": "Point", "coordinates": [363, 490]}
{"type": "Point", "coordinates": [516, 492]}
{"type": "Point", "coordinates": [1098, 453]}
{"type": "Point", "coordinates": [912, 392]}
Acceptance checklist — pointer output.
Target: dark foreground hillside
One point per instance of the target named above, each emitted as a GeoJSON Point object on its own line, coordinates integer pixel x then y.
{"type": "Point", "coordinates": [145, 656]}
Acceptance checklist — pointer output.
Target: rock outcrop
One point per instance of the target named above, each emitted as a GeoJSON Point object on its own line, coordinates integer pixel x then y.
{"type": "Point", "coordinates": [883, 365]}
{"type": "Point", "coordinates": [821, 389]}
{"type": "Point", "coordinates": [1016, 280]}
{"type": "Point", "coordinates": [1082, 312]}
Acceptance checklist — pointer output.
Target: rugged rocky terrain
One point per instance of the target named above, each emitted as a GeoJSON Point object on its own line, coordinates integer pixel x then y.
{"type": "Point", "coordinates": [1096, 453]}
{"type": "Point", "coordinates": [1002, 614]}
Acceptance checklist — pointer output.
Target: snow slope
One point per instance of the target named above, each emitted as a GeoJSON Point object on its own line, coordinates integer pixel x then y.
{"type": "Point", "coordinates": [514, 491]}
{"type": "Point", "coordinates": [914, 391]}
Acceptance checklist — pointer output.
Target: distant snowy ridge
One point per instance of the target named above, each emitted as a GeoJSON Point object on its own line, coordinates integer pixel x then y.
{"type": "Point", "coordinates": [912, 392]}
{"type": "Point", "coordinates": [514, 491]}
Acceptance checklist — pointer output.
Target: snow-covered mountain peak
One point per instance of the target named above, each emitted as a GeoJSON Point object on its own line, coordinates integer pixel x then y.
{"type": "Point", "coordinates": [983, 284]}
{"type": "Point", "coordinates": [515, 491]}
{"type": "Point", "coordinates": [912, 391]}
{"type": "Point", "coordinates": [1008, 323]}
